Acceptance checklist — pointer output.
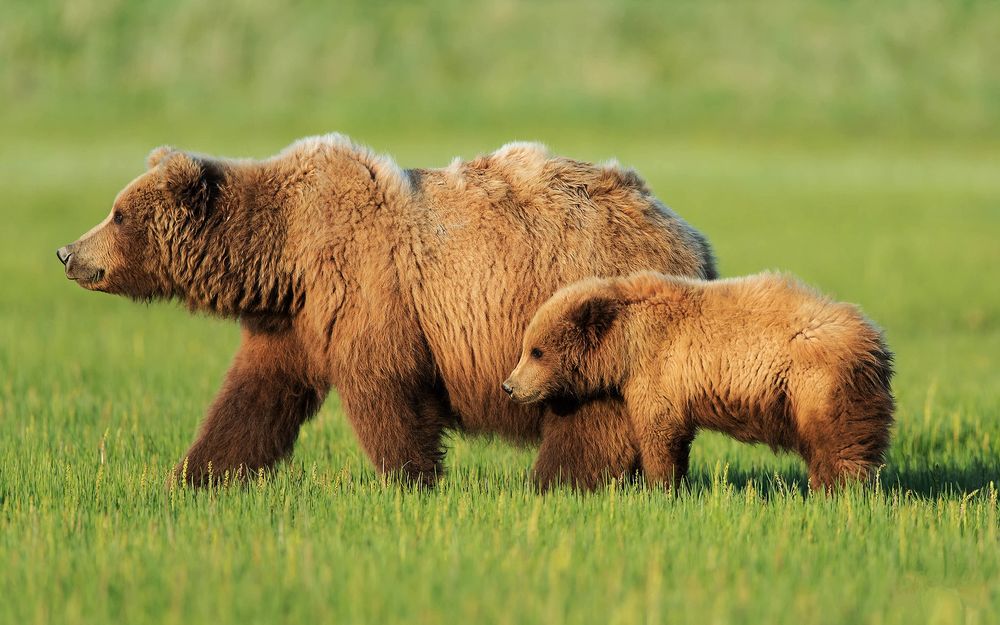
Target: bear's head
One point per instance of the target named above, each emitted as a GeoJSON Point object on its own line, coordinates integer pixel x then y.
{"type": "Point", "coordinates": [131, 252]}
{"type": "Point", "coordinates": [565, 352]}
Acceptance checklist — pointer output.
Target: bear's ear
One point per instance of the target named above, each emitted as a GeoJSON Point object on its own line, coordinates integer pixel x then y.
{"type": "Point", "coordinates": [157, 155]}
{"type": "Point", "coordinates": [592, 318]}
{"type": "Point", "coordinates": [193, 181]}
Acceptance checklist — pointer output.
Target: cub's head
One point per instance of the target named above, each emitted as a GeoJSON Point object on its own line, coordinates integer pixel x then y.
{"type": "Point", "coordinates": [128, 253]}
{"type": "Point", "coordinates": [564, 347]}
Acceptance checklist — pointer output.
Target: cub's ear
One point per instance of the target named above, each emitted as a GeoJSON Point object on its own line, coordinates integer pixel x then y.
{"type": "Point", "coordinates": [192, 180]}
{"type": "Point", "coordinates": [593, 317]}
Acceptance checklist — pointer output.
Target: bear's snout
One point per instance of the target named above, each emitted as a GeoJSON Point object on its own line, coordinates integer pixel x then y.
{"type": "Point", "coordinates": [507, 388]}
{"type": "Point", "coordinates": [63, 254]}
{"type": "Point", "coordinates": [78, 267]}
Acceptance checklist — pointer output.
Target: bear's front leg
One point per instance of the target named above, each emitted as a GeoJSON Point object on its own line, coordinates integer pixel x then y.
{"type": "Point", "coordinates": [254, 420]}
{"type": "Point", "coordinates": [586, 446]}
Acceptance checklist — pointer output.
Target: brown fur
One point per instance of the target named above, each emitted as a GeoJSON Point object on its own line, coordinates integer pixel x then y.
{"type": "Point", "coordinates": [763, 359]}
{"type": "Point", "coordinates": [404, 290]}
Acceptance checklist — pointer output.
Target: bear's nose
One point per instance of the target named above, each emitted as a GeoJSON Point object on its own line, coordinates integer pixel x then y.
{"type": "Point", "coordinates": [63, 254]}
{"type": "Point", "coordinates": [507, 388]}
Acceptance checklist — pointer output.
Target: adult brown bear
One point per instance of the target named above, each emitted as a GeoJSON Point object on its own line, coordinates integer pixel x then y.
{"type": "Point", "coordinates": [406, 290]}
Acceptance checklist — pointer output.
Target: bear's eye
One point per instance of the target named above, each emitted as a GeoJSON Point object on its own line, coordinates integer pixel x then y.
{"type": "Point", "coordinates": [536, 353]}
{"type": "Point", "coordinates": [118, 218]}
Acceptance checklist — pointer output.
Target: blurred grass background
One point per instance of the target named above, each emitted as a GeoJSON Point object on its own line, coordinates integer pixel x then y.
{"type": "Point", "coordinates": [856, 144]}
{"type": "Point", "coordinates": [906, 69]}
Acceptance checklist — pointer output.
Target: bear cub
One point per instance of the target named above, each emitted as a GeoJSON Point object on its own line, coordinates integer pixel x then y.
{"type": "Point", "coordinates": [763, 359]}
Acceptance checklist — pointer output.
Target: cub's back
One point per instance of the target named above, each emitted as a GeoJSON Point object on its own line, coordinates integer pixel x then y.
{"type": "Point", "coordinates": [773, 305]}
{"type": "Point", "coordinates": [761, 323]}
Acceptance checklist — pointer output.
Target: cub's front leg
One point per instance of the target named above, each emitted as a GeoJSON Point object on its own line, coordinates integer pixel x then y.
{"type": "Point", "coordinates": [664, 439]}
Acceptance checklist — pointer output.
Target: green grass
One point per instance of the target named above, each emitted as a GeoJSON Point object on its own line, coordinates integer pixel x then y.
{"type": "Point", "coordinates": [101, 395]}
{"type": "Point", "coordinates": [855, 145]}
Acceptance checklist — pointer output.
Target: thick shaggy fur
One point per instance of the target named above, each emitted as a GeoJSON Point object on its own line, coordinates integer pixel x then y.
{"type": "Point", "coordinates": [404, 290]}
{"type": "Point", "coordinates": [763, 359]}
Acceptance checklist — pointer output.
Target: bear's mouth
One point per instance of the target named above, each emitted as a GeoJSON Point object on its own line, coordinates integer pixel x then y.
{"type": "Point", "coordinates": [526, 399]}
{"type": "Point", "coordinates": [88, 281]}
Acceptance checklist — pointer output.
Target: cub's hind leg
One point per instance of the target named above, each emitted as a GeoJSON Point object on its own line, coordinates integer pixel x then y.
{"type": "Point", "coordinates": [844, 434]}
{"type": "Point", "coordinates": [841, 399]}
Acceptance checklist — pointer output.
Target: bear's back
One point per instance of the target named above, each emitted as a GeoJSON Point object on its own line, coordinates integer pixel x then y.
{"type": "Point", "coordinates": [528, 175]}
{"type": "Point", "coordinates": [494, 237]}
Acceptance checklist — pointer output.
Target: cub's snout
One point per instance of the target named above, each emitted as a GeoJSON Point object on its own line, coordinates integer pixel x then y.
{"type": "Point", "coordinates": [519, 390]}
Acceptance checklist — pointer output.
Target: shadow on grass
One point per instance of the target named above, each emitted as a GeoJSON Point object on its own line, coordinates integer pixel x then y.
{"type": "Point", "coordinates": [930, 481]}
{"type": "Point", "coordinates": [765, 483]}
{"type": "Point", "coordinates": [939, 479]}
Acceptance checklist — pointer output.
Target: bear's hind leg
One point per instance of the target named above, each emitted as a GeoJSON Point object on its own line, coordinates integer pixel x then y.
{"type": "Point", "coordinates": [401, 432]}
{"type": "Point", "coordinates": [587, 446]}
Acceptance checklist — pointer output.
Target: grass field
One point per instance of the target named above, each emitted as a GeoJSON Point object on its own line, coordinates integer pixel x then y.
{"type": "Point", "coordinates": [99, 396]}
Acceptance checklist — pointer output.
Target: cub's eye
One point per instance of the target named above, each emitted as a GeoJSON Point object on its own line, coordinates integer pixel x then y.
{"type": "Point", "coordinates": [118, 218]}
{"type": "Point", "coordinates": [536, 353]}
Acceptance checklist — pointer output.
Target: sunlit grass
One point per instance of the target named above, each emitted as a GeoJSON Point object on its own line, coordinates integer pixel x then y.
{"type": "Point", "coordinates": [100, 396]}
{"type": "Point", "coordinates": [851, 143]}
